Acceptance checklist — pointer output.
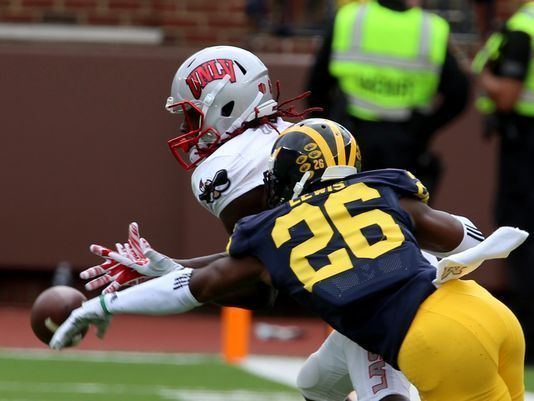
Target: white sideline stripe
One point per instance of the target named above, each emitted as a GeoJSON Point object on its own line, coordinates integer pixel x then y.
{"type": "Point", "coordinates": [168, 393]}
{"type": "Point", "coordinates": [75, 33]}
{"type": "Point", "coordinates": [279, 369]}
{"type": "Point", "coordinates": [107, 356]}
{"type": "Point", "coordinates": [80, 388]}
{"type": "Point", "coordinates": [238, 395]}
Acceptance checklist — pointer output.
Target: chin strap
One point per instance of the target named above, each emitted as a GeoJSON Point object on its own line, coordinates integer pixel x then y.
{"type": "Point", "coordinates": [195, 153]}
{"type": "Point", "coordinates": [238, 122]}
{"type": "Point", "coordinates": [210, 97]}
{"type": "Point", "coordinates": [299, 186]}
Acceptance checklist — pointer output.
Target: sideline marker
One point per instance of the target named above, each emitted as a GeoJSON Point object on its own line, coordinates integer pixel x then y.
{"type": "Point", "coordinates": [235, 333]}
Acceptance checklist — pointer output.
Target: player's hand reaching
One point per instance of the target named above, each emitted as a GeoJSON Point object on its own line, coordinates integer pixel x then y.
{"type": "Point", "coordinates": [132, 263]}
{"type": "Point", "coordinates": [91, 312]}
{"type": "Point", "coordinates": [111, 272]}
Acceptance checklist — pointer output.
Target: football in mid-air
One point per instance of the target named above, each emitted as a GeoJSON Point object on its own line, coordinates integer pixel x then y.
{"type": "Point", "coordinates": [51, 308]}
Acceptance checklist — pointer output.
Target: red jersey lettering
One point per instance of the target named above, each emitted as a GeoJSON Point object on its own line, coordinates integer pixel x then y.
{"type": "Point", "coordinates": [377, 369]}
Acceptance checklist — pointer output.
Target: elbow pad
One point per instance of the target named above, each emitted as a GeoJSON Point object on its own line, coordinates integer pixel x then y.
{"type": "Point", "coordinates": [472, 237]}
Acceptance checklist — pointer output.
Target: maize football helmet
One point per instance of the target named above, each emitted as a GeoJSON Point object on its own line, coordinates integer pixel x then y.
{"type": "Point", "coordinates": [216, 90]}
{"type": "Point", "coordinates": [308, 154]}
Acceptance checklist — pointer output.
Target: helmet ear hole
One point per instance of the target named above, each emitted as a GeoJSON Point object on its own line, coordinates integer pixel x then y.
{"type": "Point", "coordinates": [227, 109]}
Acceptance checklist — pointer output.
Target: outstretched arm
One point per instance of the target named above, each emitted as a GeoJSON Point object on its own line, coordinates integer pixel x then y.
{"type": "Point", "coordinates": [200, 261]}
{"type": "Point", "coordinates": [225, 276]}
{"type": "Point", "coordinates": [176, 292]}
{"type": "Point", "coordinates": [136, 261]}
{"type": "Point", "coordinates": [256, 296]}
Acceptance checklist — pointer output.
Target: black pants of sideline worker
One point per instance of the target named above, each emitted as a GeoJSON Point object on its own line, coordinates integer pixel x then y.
{"type": "Point", "coordinates": [515, 207]}
{"type": "Point", "coordinates": [395, 145]}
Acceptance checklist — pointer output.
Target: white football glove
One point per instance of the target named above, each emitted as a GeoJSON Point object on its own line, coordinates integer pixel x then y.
{"type": "Point", "coordinates": [133, 262]}
{"type": "Point", "coordinates": [497, 246]}
{"type": "Point", "coordinates": [91, 312]}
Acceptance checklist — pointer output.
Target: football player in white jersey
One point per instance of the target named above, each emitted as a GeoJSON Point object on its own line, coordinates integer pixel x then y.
{"type": "Point", "coordinates": [230, 122]}
{"type": "Point", "coordinates": [229, 183]}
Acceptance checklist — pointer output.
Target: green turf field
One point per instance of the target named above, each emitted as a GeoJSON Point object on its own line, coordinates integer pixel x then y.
{"type": "Point", "coordinates": [47, 376]}
{"type": "Point", "coordinates": [529, 379]}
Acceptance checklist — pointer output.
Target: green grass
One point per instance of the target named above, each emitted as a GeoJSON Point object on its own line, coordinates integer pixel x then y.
{"type": "Point", "coordinates": [67, 377]}
{"type": "Point", "coordinates": [52, 376]}
{"type": "Point", "coordinates": [529, 379]}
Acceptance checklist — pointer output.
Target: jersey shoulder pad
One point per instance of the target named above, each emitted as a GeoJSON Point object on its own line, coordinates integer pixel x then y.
{"type": "Point", "coordinates": [402, 181]}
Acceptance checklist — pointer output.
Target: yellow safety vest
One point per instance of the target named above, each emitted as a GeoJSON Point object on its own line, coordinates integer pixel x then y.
{"type": "Point", "coordinates": [522, 20]}
{"type": "Point", "coordinates": [387, 63]}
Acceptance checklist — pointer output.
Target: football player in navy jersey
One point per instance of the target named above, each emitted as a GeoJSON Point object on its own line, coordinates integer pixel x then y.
{"type": "Point", "coordinates": [348, 244]}
{"type": "Point", "coordinates": [229, 119]}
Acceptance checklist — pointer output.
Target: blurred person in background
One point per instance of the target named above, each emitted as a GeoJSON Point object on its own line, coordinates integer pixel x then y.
{"type": "Point", "coordinates": [385, 70]}
{"type": "Point", "coordinates": [505, 68]}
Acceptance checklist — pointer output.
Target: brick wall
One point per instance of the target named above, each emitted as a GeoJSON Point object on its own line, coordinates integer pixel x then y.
{"type": "Point", "coordinates": [185, 22]}
{"type": "Point", "coordinates": [192, 23]}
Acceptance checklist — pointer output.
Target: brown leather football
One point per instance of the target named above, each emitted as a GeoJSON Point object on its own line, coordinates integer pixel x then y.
{"type": "Point", "coordinates": [51, 308]}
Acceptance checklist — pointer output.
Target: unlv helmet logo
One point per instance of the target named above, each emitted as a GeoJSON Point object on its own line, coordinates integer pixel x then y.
{"type": "Point", "coordinates": [207, 72]}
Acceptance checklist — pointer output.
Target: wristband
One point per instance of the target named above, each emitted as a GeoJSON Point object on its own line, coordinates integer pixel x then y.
{"type": "Point", "coordinates": [103, 305]}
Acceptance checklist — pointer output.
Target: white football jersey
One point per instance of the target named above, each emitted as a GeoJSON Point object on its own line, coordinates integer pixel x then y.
{"type": "Point", "coordinates": [235, 168]}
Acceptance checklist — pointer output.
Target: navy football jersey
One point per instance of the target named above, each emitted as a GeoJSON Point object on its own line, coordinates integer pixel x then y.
{"type": "Point", "coordinates": [348, 251]}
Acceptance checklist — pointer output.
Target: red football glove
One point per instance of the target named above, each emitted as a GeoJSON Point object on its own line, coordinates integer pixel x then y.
{"type": "Point", "coordinates": [132, 263]}
{"type": "Point", "coordinates": [110, 272]}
